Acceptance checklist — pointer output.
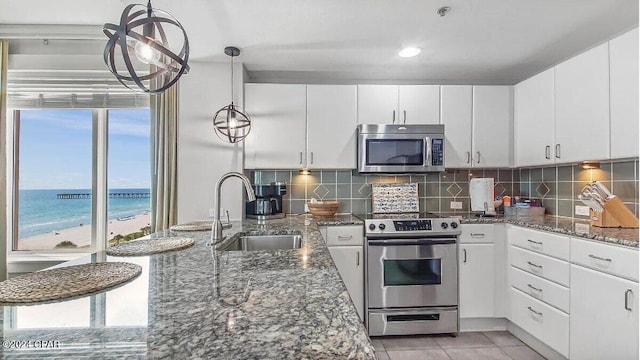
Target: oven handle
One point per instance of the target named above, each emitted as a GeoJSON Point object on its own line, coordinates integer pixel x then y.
{"type": "Point", "coordinates": [400, 242]}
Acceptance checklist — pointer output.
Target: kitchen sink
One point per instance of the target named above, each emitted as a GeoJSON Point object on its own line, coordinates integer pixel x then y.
{"type": "Point", "coordinates": [264, 242]}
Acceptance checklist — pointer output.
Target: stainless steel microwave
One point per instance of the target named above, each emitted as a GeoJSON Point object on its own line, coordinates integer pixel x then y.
{"type": "Point", "coordinates": [393, 149]}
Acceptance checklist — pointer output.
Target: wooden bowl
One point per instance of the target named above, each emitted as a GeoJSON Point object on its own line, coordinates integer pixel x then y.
{"type": "Point", "coordinates": [323, 209]}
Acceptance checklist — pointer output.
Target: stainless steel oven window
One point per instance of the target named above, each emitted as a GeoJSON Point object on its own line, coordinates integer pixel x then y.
{"type": "Point", "coordinates": [412, 272]}
{"type": "Point", "coordinates": [395, 152]}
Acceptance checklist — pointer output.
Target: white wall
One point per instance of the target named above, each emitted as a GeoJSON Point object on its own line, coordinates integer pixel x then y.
{"type": "Point", "coordinates": [202, 156]}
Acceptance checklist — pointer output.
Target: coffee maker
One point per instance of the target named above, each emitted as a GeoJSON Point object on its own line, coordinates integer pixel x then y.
{"type": "Point", "coordinates": [268, 203]}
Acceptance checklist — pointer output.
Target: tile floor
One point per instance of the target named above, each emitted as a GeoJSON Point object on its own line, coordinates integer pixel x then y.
{"type": "Point", "coordinates": [488, 345]}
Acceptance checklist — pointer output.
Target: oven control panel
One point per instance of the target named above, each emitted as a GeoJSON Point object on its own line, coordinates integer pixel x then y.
{"type": "Point", "coordinates": [412, 225]}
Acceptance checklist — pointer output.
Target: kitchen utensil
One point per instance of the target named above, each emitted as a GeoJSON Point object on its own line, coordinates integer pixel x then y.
{"type": "Point", "coordinates": [323, 209]}
{"type": "Point", "coordinates": [603, 189]}
{"type": "Point", "coordinates": [588, 200]}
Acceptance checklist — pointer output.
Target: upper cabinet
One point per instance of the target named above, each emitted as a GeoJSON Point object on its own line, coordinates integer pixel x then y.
{"type": "Point", "coordinates": [477, 125]}
{"type": "Point", "coordinates": [582, 107]}
{"type": "Point", "coordinates": [623, 57]}
{"type": "Point", "coordinates": [492, 126]}
{"type": "Point", "coordinates": [300, 126]}
{"type": "Point", "coordinates": [398, 104]}
{"type": "Point", "coordinates": [535, 120]}
{"type": "Point", "coordinates": [278, 126]}
{"type": "Point", "coordinates": [331, 126]}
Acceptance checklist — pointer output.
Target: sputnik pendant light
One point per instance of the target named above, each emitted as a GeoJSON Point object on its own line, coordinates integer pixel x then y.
{"type": "Point", "coordinates": [150, 47]}
{"type": "Point", "coordinates": [231, 123]}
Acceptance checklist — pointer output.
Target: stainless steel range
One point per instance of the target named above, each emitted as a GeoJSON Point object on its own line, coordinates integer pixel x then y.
{"type": "Point", "coordinates": [411, 274]}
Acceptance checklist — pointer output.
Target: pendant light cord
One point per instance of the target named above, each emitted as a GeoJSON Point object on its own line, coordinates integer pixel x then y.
{"type": "Point", "coordinates": [231, 77]}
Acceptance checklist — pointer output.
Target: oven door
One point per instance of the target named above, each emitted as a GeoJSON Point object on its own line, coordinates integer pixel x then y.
{"type": "Point", "coordinates": [394, 153]}
{"type": "Point", "coordinates": [412, 273]}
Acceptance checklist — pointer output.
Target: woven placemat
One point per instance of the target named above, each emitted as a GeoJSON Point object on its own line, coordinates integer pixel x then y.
{"type": "Point", "coordinates": [66, 282]}
{"type": "Point", "coordinates": [150, 246]}
{"type": "Point", "coordinates": [193, 226]}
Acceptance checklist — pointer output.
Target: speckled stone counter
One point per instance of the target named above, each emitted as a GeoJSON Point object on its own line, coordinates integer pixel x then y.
{"type": "Point", "coordinates": [200, 303]}
{"type": "Point", "coordinates": [563, 225]}
{"type": "Point", "coordinates": [339, 220]}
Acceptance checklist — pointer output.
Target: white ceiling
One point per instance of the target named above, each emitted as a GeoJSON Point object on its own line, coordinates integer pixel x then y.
{"type": "Point", "coordinates": [479, 41]}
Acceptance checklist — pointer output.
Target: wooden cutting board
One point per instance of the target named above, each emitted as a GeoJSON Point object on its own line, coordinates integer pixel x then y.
{"type": "Point", "coordinates": [394, 198]}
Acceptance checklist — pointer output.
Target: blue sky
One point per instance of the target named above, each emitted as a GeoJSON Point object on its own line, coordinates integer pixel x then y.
{"type": "Point", "coordinates": [55, 149]}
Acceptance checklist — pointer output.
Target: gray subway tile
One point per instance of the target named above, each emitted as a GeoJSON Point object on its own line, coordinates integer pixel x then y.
{"type": "Point", "coordinates": [328, 176]}
{"type": "Point", "coordinates": [536, 175]}
{"type": "Point", "coordinates": [433, 177]}
{"type": "Point", "coordinates": [343, 191]}
{"type": "Point", "coordinates": [580, 174]}
{"type": "Point", "coordinates": [505, 176]}
{"type": "Point", "coordinates": [343, 177]}
{"type": "Point", "coordinates": [565, 190]}
{"type": "Point", "coordinates": [565, 173]}
{"type": "Point", "coordinates": [462, 176]}
{"type": "Point", "coordinates": [297, 206]}
{"type": "Point", "coordinates": [626, 190]}
{"type": "Point", "coordinates": [268, 176]}
{"type": "Point", "coordinates": [283, 176]}
{"type": "Point", "coordinates": [565, 208]}
{"type": "Point", "coordinates": [403, 179]}
{"type": "Point", "coordinates": [550, 206]}
{"type": "Point", "coordinates": [549, 174]}
{"type": "Point", "coordinates": [491, 174]}
{"type": "Point", "coordinates": [359, 179]}
{"type": "Point", "coordinates": [432, 205]}
{"type": "Point", "coordinates": [525, 175]}
{"type": "Point", "coordinates": [623, 171]}
{"type": "Point", "coordinates": [297, 191]}
{"type": "Point", "coordinates": [345, 206]}
{"type": "Point", "coordinates": [359, 206]}
{"type": "Point", "coordinates": [432, 189]}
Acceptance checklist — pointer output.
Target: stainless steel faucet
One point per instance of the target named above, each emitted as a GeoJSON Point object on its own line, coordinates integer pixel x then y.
{"type": "Point", "coordinates": [216, 228]}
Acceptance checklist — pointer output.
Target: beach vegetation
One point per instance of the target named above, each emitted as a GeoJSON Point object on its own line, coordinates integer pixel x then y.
{"type": "Point", "coordinates": [66, 245]}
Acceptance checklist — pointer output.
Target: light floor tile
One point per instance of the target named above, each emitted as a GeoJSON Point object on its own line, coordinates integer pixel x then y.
{"type": "Point", "coordinates": [522, 353]}
{"type": "Point", "coordinates": [409, 343]}
{"type": "Point", "coordinates": [382, 355]}
{"type": "Point", "coordinates": [502, 338]}
{"type": "Point", "coordinates": [487, 353]}
{"type": "Point", "coordinates": [432, 354]}
{"type": "Point", "coordinates": [377, 344]}
{"type": "Point", "coordinates": [465, 340]}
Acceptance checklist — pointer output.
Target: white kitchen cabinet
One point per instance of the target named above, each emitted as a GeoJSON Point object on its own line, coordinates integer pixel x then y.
{"type": "Point", "coordinates": [398, 104]}
{"type": "Point", "coordinates": [604, 316]}
{"type": "Point", "coordinates": [623, 57]}
{"type": "Point", "coordinates": [350, 264]}
{"type": "Point", "coordinates": [456, 115]}
{"type": "Point", "coordinates": [277, 137]}
{"type": "Point", "coordinates": [582, 107]}
{"type": "Point", "coordinates": [534, 120]}
{"type": "Point", "coordinates": [476, 267]}
{"type": "Point", "coordinates": [492, 124]}
{"type": "Point", "coordinates": [331, 126]}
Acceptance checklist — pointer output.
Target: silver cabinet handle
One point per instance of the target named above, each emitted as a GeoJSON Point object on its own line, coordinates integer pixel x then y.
{"type": "Point", "coordinates": [405, 115]}
{"type": "Point", "coordinates": [547, 152]}
{"type": "Point", "coordinates": [533, 311]}
{"type": "Point", "coordinates": [357, 258]}
{"type": "Point", "coordinates": [599, 258]}
{"type": "Point", "coordinates": [468, 157]}
{"type": "Point", "coordinates": [557, 151]}
{"type": "Point", "coordinates": [394, 117]}
{"type": "Point", "coordinates": [300, 157]}
{"type": "Point", "coordinates": [477, 234]}
{"type": "Point", "coordinates": [464, 251]}
{"type": "Point", "coordinates": [534, 288]}
{"type": "Point", "coordinates": [312, 157]}
{"type": "Point", "coordinates": [535, 242]}
{"type": "Point", "coordinates": [626, 299]}
{"type": "Point", "coordinates": [345, 237]}
{"type": "Point", "coordinates": [478, 161]}
{"type": "Point", "coordinates": [534, 265]}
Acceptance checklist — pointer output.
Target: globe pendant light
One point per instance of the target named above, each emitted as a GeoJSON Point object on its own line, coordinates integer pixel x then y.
{"type": "Point", "coordinates": [231, 123]}
{"type": "Point", "coordinates": [150, 47]}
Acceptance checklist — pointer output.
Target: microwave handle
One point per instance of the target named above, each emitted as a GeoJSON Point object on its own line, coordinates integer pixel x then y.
{"type": "Point", "coordinates": [427, 151]}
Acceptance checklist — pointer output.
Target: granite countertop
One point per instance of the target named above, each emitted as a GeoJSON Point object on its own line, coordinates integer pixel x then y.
{"type": "Point", "coordinates": [202, 303]}
{"type": "Point", "coordinates": [568, 226]}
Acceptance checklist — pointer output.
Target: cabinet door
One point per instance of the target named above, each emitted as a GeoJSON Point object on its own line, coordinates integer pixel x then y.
{"type": "Point", "coordinates": [623, 56]}
{"type": "Point", "coordinates": [492, 124]}
{"type": "Point", "coordinates": [476, 280]}
{"type": "Point", "coordinates": [331, 126]}
{"type": "Point", "coordinates": [349, 261]}
{"type": "Point", "coordinates": [278, 114]}
{"type": "Point", "coordinates": [604, 316]}
{"type": "Point", "coordinates": [534, 120]}
{"type": "Point", "coordinates": [378, 104]}
{"type": "Point", "coordinates": [419, 104]}
{"type": "Point", "coordinates": [582, 106]}
{"type": "Point", "coordinates": [455, 114]}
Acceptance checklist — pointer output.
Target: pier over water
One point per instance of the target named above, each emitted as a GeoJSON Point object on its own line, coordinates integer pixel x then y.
{"type": "Point", "coordinates": [116, 195]}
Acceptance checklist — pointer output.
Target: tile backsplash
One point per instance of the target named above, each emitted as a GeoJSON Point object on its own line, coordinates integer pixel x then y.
{"type": "Point", "coordinates": [557, 186]}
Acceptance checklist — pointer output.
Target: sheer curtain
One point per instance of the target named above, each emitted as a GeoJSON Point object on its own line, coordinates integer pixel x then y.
{"type": "Point", "coordinates": [3, 158]}
{"type": "Point", "coordinates": [164, 199]}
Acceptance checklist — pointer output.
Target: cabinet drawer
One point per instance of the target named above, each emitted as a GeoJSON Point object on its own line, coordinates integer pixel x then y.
{"type": "Point", "coordinates": [542, 242]}
{"type": "Point", "coordinates": [541, 265]}
{"type": "Point", "coordinates": [549, 325]}
{"type": "Point", "coordinates": [541, 289]}
{"type": "Point", "coordinates": [607, 258]}
{"type": "Point", "coordinates": [476, 233]}
{"type": "Point", "coordinates": [344, 235]}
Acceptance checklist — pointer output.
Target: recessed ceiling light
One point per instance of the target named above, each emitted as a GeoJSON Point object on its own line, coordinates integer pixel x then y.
{"type": "Point", "coordinates": [409, 52]}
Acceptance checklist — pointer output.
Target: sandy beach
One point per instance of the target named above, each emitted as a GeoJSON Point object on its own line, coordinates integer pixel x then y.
{"type": "Point", "coordinates": [81, 235]}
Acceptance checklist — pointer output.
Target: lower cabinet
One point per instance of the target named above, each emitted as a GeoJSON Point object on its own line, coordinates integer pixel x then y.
{"type": "Point", "coordinates": [604, 316]}
{"type": "Point", "coordinates": [476, 267]}
{"type": "Point", "coordinates": [350, 264]}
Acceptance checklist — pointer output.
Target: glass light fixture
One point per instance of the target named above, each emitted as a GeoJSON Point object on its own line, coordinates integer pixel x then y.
{"type": "Point", "coordinates": [231, 123]}
{"type": "Point", "coordinates": [151, 47]}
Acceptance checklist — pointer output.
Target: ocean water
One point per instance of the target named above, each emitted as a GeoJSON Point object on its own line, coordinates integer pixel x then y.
{"type": "Point", "coordinates": [40, 211]}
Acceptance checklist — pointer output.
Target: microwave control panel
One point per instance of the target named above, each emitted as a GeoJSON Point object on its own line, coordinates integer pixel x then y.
{"type": "Point", "coordinates": [437, 152]}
